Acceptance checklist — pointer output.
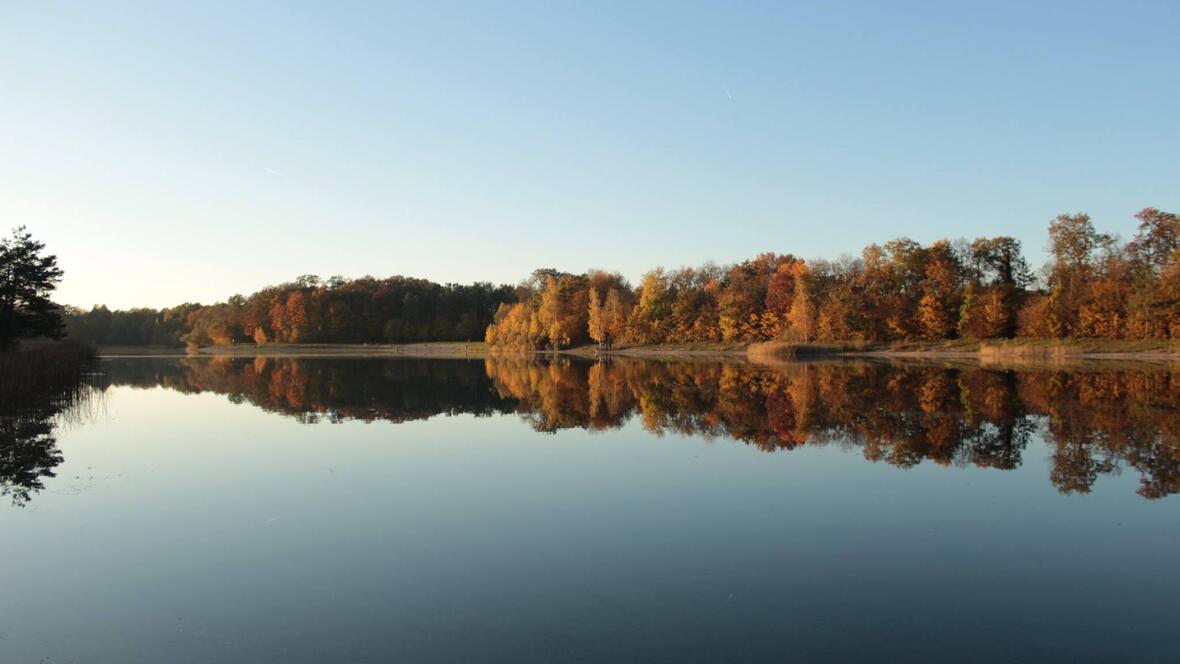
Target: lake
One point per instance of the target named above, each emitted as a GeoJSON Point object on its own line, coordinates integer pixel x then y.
{"type": "Point", "coordinates": [526, 510]}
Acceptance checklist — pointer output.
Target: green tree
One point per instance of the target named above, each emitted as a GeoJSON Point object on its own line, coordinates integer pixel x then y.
{"type": "Point", "coordinates": [27, 278]}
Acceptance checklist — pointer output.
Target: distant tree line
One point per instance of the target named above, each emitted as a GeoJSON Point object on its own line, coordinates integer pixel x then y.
{"type": "Point", "coordinates": [308, 310]}
{"type": "Point", "coordinates": [1093, 286]}
{"type": "Point", "coordinates": [133, 327]}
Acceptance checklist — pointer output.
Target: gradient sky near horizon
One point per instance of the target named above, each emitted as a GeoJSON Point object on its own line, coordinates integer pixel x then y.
{"type": "Point", "coordinates": [172, 152]}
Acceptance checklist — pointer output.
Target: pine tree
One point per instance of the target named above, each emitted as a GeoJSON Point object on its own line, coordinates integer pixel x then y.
{"type": "Point", "coordinates": [26, 280]}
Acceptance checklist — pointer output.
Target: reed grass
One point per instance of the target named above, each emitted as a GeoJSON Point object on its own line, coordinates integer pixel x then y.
{"type": "Point", "coordinates": [783, 350]}
{"type": "Point", "coordinates": [42, 375]}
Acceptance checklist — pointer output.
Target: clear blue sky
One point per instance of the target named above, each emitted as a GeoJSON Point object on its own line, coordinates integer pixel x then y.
{"type": "Point", "coordinates": [189, 151]}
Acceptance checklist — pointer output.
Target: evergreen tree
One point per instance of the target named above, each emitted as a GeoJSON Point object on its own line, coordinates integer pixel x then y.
{"type": "Point", "coordinates": [27, 277]}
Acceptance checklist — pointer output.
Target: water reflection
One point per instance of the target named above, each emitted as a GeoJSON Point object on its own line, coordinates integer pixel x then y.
{"type": "Point", "coordinates": [28, 454]}
{"type": "Point", "coordinates": [333, 390]}
{"type": "Point", "coordinates": [28, 445]}
{"type": "Point", "coordinates": [1095, 421]}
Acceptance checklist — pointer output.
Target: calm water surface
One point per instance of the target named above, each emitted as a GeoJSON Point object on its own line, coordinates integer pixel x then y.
{"type": "Point", "coordinates": [362, 510]}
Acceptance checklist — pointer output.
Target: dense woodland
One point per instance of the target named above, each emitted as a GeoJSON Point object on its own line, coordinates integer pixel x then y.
{"type": "Point", "coordinates": [308, 310]}
{"type": "Point", "coordinates": [1093, 286]}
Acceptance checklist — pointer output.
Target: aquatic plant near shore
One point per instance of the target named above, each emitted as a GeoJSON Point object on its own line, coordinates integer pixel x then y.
{"type": "Point", "coordinates": [43, 374]}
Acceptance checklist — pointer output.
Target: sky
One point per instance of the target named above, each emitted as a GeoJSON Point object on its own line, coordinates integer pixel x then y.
{"type": "Point", "coordinates": [178, 152]}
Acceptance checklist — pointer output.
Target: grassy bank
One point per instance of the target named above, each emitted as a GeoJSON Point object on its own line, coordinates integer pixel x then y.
{"type": "Point", "coordinates": [992, 350]}
{"type": "Point", "coordinates": [41, 374]}
{"type": "Point", "coordinates": [701, 349]}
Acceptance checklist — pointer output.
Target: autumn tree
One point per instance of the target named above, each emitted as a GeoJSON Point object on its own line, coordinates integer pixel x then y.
{"type": "Point", "coordinates": [997, 277]}
{"type": "Point", "coordinates": [1102, 309]}
{"type": "Point", "coordinates": [742, 301]}
{"type": "Point", "coordinates": [1157, 239]}
{"type": "Point", "coordinates": [1150, 256]}
{"type": "Point", "coordinates": [596, 323]}
{"type": "Point", "coordinates": [1073, 243]}
{"type": "Point", "coordinates": [649, 319]}
{"type": "Point", "coordinates": [891, 287]}
{"type": "Point", "coordinates": [802, 310]}
{"type": "Point", "coordinates": [938, 308]}
{"type": "Point", "coordinates": [738, 306]}
{"type": "Point", "coordinates": [1168, 307]}
{"type": "Point", "coordinates": [780, 292]}
{"type": "Point", "coordinates": [839, 294]}
{"type": "Point", "coordinates": [608, 300]}
{"type": "Point", "coordinates": [614, 314]}
{"type": "Point", "coordinates": [693, 315]}
{"type": "Point", "coordinates": [607, 320]}
{"type": "Point", "coordinates": [564, 310]}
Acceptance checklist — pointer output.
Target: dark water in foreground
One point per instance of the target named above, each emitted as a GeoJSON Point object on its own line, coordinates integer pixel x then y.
{"type": "Point", "coordinates": [239, 510]}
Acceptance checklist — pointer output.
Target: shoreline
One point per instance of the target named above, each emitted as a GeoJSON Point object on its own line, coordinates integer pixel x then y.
{"type": "Point", "coordinates": [1001, 352]}
{"type": "Point", "coordinates": [437, 349]}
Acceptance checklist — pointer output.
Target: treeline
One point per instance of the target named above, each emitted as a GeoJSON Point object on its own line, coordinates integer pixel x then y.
{"type": "Point", "coordinates": [133, 327]}
{"type": "Point", "coordinates": [1093, 286]}
{"type": "Point", "coordinates": [308, 310]}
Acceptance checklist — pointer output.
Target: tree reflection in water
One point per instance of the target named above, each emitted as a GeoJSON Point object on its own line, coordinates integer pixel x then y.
{"type": "Point", "coordinates": [28, 446]}
{"type": "Point", "coordinates": [1094, 420]}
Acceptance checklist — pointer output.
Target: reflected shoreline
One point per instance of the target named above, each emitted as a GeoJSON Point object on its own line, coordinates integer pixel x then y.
{"type": "Point", "coordinates": [1095, 420]}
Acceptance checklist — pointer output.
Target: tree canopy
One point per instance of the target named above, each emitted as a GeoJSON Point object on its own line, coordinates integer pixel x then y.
{"type": "Point", "coordinates": [307, 310]}
{"type": "Point", "coordinates": [1093, 286]}
{"type": "Point", "coordinates": [28, 276]}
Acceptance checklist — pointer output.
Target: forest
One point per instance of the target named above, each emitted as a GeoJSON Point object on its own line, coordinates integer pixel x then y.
{"type": "Point", "coordinates": [1093, 286]}
{"type": "Point", "coordinates": [307, 310]}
